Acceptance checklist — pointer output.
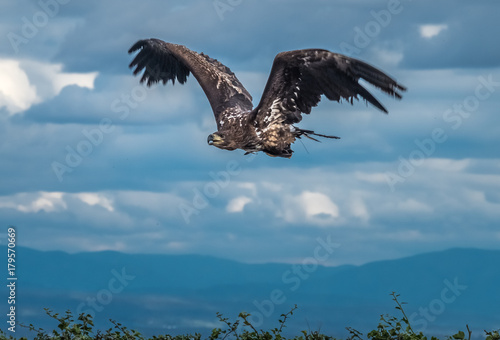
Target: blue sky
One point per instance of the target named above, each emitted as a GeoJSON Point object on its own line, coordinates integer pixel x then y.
{"type": "Point", "coordinates": [92, 160]}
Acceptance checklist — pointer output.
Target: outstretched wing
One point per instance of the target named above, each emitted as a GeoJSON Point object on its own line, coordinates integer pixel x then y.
{"type": "Point", "coordinates": [299, 78]}
{"type": "Point", "coordinates": [162, 61]}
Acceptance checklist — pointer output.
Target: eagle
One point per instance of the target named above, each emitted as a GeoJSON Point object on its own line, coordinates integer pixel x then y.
{"type": "Point", "coordinates": [295, 85]}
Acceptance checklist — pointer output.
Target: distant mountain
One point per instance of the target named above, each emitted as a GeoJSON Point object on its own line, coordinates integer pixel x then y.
{"type": "Point", "coordinates": [181, 293]}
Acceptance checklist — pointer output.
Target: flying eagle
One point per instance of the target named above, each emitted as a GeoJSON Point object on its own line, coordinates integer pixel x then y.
{"type": "Point", "coordinates": [295, 85]}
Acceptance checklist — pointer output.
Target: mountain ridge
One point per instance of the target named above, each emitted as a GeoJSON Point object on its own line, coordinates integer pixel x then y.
{"type": "Point", "coordinates": [147, 291]}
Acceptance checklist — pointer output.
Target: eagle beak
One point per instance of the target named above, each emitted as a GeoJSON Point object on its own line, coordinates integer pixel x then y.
{"type": "Point", "coordinates": [214, 139]}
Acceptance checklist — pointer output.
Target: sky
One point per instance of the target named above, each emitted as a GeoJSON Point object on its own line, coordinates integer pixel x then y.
{"type": "Point", "coordinates": [92, 160]}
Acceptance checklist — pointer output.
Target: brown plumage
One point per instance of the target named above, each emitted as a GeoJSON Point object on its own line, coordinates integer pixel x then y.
{"type": "Point", "coordinates": [295, 85]}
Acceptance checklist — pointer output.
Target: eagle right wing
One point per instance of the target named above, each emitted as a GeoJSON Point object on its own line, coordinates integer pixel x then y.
{"type": "Point", "coordinates": [162, 61]}
{"type": "Point", "coordinates": [299, 78]}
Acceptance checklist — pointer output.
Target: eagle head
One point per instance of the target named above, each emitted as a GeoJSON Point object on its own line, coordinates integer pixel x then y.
{"type": "Point", "coordinates": [217, 139]}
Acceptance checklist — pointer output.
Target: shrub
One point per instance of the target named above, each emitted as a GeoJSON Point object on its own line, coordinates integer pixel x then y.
{"type": "Point", "coordinates": [81, 328]}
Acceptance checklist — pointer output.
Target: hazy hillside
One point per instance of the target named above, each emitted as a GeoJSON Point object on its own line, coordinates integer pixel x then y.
{"type": "Point", "coordinates": [181, 294]}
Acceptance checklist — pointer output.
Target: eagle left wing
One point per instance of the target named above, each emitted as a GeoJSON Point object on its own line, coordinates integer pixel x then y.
{"type": "Point", "coordinates": [299, 78]}
{"type": "Point", "coordinates": [162, 61]}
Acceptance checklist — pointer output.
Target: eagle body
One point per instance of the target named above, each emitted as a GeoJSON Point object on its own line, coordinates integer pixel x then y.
{"type": "Point", "coordinates": [296, 83]}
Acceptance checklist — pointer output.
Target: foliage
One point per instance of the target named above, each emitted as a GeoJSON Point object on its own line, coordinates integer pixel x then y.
{"type": "Point", "coordinates": [389, 328]}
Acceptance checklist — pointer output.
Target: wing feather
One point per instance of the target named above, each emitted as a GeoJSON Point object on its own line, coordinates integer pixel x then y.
{"type": "Point", "coordinates": [299, 78]}
{"type": "Point", "coordinates": [162, 61]}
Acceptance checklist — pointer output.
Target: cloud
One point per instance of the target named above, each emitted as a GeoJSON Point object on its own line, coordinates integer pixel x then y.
{"type": "Point", "coordinates": [429, 31]}
{"type": "Point", "coordinates": [35, 202]}
{"type": "Point", "coordinates": [49, 201]}
{"type": "Point", "coordinates": [96, 199]}
{"type": "Point", "coordinates": [317, 204]}
{"type": "Point", "coordinates": [310, 207]}
{"type": "Point", "coordinates": [454, 42]}
{"type": "Point", "coordinates": [238, 204]}
{"type": "Point", "coordinates": [16, 92]}
{"type": "Point", "coordinates": [26, 83]}
{"type": "Point", "coordinates": [284, 205]}
{"type": "Point", "coordinates": [125, 193]}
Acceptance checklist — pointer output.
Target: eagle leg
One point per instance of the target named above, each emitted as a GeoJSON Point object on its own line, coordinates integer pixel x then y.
{"type": "Point", "coordinates": [308, 133]}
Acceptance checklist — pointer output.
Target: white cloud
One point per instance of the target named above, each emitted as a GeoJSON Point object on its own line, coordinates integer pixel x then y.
{"type": "Point", "coordinates": [310, 207]}
{"type": "Point", "coordinates": [316, 203]}
{"type": "Point", "coordinates": [16, 92]}
{"type": "Point", "coordinates": [35, 202]}
{"type": "Point", "coordinates": [96, 199]}
{"type": "Point", "coordinates": [61, 80]}
{"type": "Point", "coordinates": [320, 197]}
{"type": "Point", "coordinates": [27, 82]}
{"type": "Point", "coordinates": [238, 204]}
{"type": "Point", "coordinates": [429, 31]}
